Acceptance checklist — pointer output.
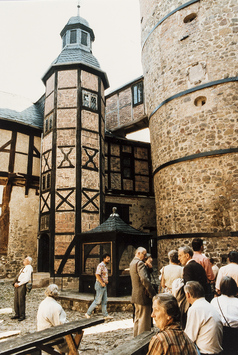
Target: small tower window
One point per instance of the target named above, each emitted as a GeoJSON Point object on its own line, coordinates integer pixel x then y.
{"type": "Point", "coordinates": [137, 91]}
{"type": "Point", "coordinates": [200, 101]}
{"type": "Point", "coordinates": [73, 36]}
{"type": "Point", "coordinates": [90, 100]}
{"type": "Point", "coordinates": [84, 38]}
{"type": "Point", "coordinates": [46, 181]}
{"type": "Point", "coordinates": [190, 18]}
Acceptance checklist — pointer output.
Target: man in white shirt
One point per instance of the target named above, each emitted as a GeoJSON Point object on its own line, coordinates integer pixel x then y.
{"type": "Point", "coordinates": [23, 277]}
{"type": "Point", "coordinates": [204, 326]}
{"type": "Point", "coordinates": [231, 269]}
{"type": "Point", "coordinates": [50, 313]}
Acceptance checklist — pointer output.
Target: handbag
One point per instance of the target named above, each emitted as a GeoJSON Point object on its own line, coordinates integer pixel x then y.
{"type": "Point", "coordinates": [29, 284]}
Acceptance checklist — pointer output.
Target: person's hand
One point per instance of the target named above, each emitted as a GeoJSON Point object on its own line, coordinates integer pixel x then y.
{"type": "Point", "coordinates": [16, 284]}
{"type": "Point", "coordinates": [103, 284]}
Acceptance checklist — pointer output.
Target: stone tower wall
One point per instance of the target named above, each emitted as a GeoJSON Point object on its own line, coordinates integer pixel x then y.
{"type": "Point", "coordinates": [190, 68]}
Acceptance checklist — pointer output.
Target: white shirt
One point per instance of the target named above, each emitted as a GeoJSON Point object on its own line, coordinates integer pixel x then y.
{"type": "Point", "coordinates": [229, 307]}
{"type": "Point", "coordinates": [231, 270]}
{"type": "Point", "coordinates": [171, 273]}
{"type": "Point", "coordinates": [25, 275]}
{"type": "Point", "coordinates": [204, 327]}
{"type": "Point", "coordinates": [50, 313]}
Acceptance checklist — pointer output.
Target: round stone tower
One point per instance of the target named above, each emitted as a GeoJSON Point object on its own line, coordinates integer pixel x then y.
{"type": "Point", "coordinates": [72, 169]}
{"type": "Point", "coordinates": [189, 56]}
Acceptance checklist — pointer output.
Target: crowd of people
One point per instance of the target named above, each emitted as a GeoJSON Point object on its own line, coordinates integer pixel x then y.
{"type": "Point", "coordinates": [196, 307]}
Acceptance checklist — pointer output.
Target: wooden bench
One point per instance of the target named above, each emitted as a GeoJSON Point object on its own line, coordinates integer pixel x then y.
{"type": "Point", "coordinates": [33, 343]}
{"type": "Point", "coordinates": [136, 346]}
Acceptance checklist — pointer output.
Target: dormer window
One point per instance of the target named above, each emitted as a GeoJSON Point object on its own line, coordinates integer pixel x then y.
{"type": "Point", "coordinates": [73, 36]}
{"type": "Point", "coordinates": [84, 38]}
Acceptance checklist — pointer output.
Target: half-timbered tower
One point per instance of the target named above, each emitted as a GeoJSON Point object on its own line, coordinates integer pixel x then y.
{"type": "Point", "coordinates": [72, 170]}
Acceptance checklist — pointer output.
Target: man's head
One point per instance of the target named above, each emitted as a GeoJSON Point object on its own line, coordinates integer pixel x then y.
{"type": "Point", "coordinates": [193, 290]}
{"type": "Point", "coordinates": [197, 244]}
{"type": "Point", "coordinates": [165, 310]}
{"type": "Point", "coordinates": [52, 291]}
{"type": "Point", "coordinates": [141, 253]}
{"type": "Point", "coordinates": [106, 258]}
{"type": "Point", "coordinates": [233, 257]}
{"type": "Point", "coordinates": [185, 254]}
{"type": "Point", "coordinates": [27, 261]}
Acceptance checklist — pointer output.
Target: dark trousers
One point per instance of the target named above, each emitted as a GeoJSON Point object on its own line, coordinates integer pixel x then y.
{"type": "Point", "coordinates": [20, 300]}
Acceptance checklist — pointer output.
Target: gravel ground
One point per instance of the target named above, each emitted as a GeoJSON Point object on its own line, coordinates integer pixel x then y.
{"type": "Point", "coordinates": [101, 338]}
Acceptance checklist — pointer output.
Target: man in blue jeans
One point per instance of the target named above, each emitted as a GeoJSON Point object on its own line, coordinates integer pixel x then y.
{"type": "Point", "coordinates": [101, 288]}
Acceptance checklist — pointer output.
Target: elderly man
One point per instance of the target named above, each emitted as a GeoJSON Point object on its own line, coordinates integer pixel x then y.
{"type": "Point", "coordinates": [142, 292]}
{"type": "Point", "coordinates": [50, 313]}
{"type": "Point", "coordinates": [192, 270]}
{"type": "Point", "coordinates": [23, 277]}
{"type": "Point", "coordinates": [204, 326]}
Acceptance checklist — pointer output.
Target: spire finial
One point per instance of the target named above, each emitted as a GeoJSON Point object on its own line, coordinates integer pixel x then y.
{"type": "Point", "coordinates": [78, 6]}
{"type": "Point", "coordinates": [114, 212]}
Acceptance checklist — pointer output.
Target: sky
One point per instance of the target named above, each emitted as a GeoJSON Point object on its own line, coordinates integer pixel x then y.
{"type": "Point", "coordinates": [30, 40]}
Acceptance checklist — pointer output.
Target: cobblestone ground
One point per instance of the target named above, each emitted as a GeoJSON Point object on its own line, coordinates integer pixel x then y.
{"type": "Point", "coordinates": [100, 339]}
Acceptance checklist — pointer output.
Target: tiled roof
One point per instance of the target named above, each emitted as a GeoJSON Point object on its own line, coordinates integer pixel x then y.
{"type": "Point", "coordinates": [76, 55]}
{"type": "Point", "coordinates": [21, 110]}
{"type": "Point", "coordinates": [115, 224]}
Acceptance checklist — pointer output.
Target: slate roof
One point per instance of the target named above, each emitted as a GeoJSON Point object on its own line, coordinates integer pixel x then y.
{"type": "Point", "coordinates": [115, 224]}
{"type": "Point", "coordinates": [76, 55]}
{"type": "Point", "coordinates": [77, 20]}
{"type": "Point", "coordinates": [21, 110]}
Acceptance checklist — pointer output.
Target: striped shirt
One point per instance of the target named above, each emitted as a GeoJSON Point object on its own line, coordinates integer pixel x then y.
{"type": "Point", "coordinates": [172, 341]}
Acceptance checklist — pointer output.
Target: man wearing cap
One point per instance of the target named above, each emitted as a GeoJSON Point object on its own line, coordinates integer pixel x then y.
{"type": "Point", "coordinates": [23, 277]}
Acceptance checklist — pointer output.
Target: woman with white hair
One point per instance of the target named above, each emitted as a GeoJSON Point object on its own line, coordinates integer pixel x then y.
{"type": "Point", "coordinates": [50, 313]}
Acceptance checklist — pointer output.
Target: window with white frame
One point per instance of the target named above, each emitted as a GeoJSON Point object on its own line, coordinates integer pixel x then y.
{"type": "Point", "coordinates": [90, 100]}
{"type": "Point", "coordinates": [137, 91]}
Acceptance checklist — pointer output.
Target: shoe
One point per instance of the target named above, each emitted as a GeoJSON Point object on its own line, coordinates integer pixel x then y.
{"type": "Point", "coordinates": [108, 317]}
{"type": "Point", "coordinates": [87, 315]}
{"type": "Point", "coordinates": [15, 317]}
{"type": "Point", "coordinates": [21, 319]}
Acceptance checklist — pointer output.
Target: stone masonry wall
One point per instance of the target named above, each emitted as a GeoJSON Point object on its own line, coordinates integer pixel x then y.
{"type": "Point", "coordinates": [195, 132]}
{"type": "Point", "coordinates": [23, 228]}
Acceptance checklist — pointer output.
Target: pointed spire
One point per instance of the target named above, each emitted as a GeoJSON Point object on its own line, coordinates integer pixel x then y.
{"type": "Point", "coordinates": [78, 6]}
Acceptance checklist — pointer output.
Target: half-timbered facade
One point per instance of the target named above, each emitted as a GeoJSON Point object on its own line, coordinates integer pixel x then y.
{"type": "Point", "coordinates": [20, 145]}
